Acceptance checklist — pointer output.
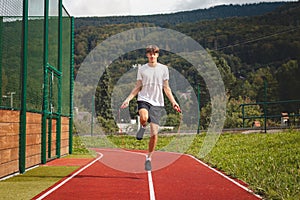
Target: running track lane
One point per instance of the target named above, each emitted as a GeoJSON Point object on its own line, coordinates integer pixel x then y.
{"type": "Point", "coordinates": [186, 178]}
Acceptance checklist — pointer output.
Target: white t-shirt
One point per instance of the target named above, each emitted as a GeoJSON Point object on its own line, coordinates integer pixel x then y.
{"type": "Point", "coordinates": [153, 80]}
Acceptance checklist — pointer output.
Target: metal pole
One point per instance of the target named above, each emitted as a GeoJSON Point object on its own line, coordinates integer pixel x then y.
{"type": "Point", "coordinates": [22, 140]}
{"type": "Point", "coordinates": [92, 117]}
{"type": "Point", "coordinates": [199, 110]}
{"type": "Point", "coordinates": [58, 127]}
{"type": "Point", "coordinates": [49, 117]}
{"type": "Point", "coordinates": [49, 136]}
{"type": "Point", "coordinates": [45, 89]}
{"type": "Point", "coordinates": [1, 27]}
{"type": "Point", "coordinates": [265, 104]}
{"type": "Point", "coordinates": [12, 99]}
{"type": "Point", "coordinates": [71, 86]}
{"type": "Point", "coordinates": [243, 114]}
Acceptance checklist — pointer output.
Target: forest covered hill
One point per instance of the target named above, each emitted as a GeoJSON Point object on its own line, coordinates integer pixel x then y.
{"type": "Point", "coordinates": [165, 20]}
{"type": "Point", "coordinates": [248, 50]}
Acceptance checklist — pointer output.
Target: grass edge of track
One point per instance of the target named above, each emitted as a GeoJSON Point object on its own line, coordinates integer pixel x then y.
{"type": "Point", "coordinates": [33, 182]}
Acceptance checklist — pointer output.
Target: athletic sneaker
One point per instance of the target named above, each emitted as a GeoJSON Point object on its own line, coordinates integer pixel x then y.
{"type": "Point", "coordinates": [148, 165]}
{"type": "Point", "coordinates": [140, 133]}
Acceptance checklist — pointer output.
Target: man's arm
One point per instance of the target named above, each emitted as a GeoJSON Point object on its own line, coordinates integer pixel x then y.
{"type": "Point", "coordinates": [134, 92]}
{"type": "Point", "coordinates": [170, 96]}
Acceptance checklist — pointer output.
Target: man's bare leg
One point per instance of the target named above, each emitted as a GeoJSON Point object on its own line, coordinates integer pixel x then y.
{"type": "Point", "coordinates": [143, 121]}
{"type": "Point", "coordinates": [153, 139]}
{"type": "Point", "coordinates": [143, 116]}
{"type": "Point", "coordinates": [152, 145]}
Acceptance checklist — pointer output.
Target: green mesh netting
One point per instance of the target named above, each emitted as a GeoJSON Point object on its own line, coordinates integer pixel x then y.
{"type": "Point", "coordinates": [11, 52]}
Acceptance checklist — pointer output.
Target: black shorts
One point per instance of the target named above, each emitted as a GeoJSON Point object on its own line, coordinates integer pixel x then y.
{"type": "Point", "coordinates": [154, 112]}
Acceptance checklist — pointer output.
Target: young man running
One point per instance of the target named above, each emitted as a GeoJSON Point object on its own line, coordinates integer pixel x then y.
{"type": "Point", "coordinates": [152, 80]}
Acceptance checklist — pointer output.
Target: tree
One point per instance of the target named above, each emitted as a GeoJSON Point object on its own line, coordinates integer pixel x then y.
{"type": "Point", "coordinates": [103, 102]}
{"type": "Point", "coordinates": [289, 84]}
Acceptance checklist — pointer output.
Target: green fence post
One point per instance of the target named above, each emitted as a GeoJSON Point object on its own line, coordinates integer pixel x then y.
{"type": "Point", "coordinates": [45, 89]}
{"type": "Point", "coordinates": [49, 136]}
{"type": "Point", "coordinates": [243, 114]}
{"type": "Point", "coordinates": [1, 27]}
{"type": "Point", "coordinates": [92, 117]}
{"type": "Point", "coordinates": [71, 87]}
{"type": "Point", "coordinates": [199, 110]}
{"type": "Point", "coordinates": [265, 104]}
{"type": "Point", "coordinates": [58, 125]}
{"type": "Point", "coordinates": [22, 140]}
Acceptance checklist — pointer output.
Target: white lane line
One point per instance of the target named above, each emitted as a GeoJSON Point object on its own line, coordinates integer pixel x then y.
{"type": "Point", "coordinates": [150, 180]}
{"type": "Point", "coordinates": [151, 187]}
{"type": "Point", "coordinates": [226, 177]}
{"type": "Point", "coordinates": [68, 179]}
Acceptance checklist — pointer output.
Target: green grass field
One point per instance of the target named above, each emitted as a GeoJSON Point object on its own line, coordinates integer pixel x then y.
{"type": "Point", "coordinates": [30, 184]}
{"type": "Point", "coordinates": [269, 163]}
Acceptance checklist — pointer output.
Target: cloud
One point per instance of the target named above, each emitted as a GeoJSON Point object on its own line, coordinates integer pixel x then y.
{"type": "Point", "coordinates": [98, 8]}
{"type": "Point", "coordinates": [152, 7]}
{"type": "Point", "coordinates": [118, 7]}
{"type": "Point", "coordinates": [79, 8]}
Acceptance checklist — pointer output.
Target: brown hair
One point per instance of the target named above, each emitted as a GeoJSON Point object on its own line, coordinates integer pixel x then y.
{"type": "Point", "coordinates": [152, 49]}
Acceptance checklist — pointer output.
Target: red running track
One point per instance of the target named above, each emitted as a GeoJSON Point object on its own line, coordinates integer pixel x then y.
{"type": "Point", "coordinates": [117, 174]}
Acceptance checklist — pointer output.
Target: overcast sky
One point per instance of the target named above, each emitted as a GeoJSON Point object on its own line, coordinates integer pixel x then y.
{"type": "Point", "coordinates": [82, 8]}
